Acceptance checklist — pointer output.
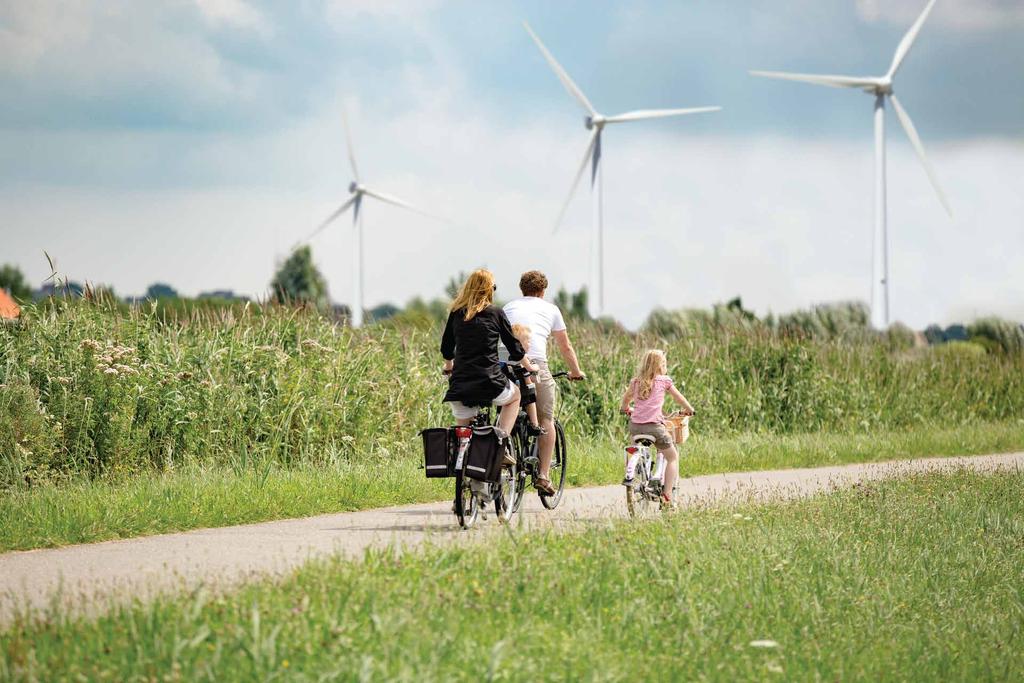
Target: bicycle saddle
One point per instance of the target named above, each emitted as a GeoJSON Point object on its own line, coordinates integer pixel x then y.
{"type": "Point", "coordinates": [644, 439]}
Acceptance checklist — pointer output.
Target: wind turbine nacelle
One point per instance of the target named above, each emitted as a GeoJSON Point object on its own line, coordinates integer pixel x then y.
{"type": "Point", "coordinates": [594, 120]}
{"type": "Point", "coordinates": [353, 186]}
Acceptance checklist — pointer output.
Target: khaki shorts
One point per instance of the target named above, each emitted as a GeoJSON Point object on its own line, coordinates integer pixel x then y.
{"type": "Point", "coordinates": [662, 439]}
{"type": "Point", "coordinates": [547, 391]}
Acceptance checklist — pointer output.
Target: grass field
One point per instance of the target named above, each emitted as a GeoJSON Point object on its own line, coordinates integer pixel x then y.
{"type": "Point", "coordinates": [195, 497]}
{"type": "Point", "coordinates": [911, 579]}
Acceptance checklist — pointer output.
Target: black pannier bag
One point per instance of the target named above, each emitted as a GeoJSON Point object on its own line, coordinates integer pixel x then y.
{"type": "Point", "coordinates": [437, 451]}
{"type": "Point", "coordinates": [483, 461]}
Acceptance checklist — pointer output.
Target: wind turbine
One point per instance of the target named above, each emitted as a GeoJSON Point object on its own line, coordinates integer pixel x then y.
{"type": "Point", "coordinates": [357, 191]}
{"type": "Point", "coordinates": [880, 87]}
{"type": "Point", "coordinates": [595, 123]}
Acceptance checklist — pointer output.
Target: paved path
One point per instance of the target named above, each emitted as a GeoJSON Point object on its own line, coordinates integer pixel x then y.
{"type": "Point", "coordinates": [94, 576]}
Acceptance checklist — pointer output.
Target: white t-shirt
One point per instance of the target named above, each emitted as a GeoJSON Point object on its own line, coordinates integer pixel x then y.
{"type": "Point", "coordinates": [541, 317]}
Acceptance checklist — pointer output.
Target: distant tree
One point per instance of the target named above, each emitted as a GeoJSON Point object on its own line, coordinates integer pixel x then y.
{"type": "Point", "coordinates": [225, 294]}
{"type": "Point", "coordinates": [298, 280]}
{"type": "Point", "coordinates": [455, 284]}
{"type": "Point", "coordinates": [12, 279]}
{"type": "Point", "coordinates": [382, 312]}
{"type": "Point", "coordinates": [934, 334]}
{"type": "Point", "coordinates": [736, 306]}
{"type": "Point", "coordinates": [161, 290]}
{"type": "Point", "coordinates": [956, 332]}
{"type": "Point", "coordinates": [579, 307]}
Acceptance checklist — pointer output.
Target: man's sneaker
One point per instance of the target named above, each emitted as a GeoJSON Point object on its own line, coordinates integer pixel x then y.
{"type": "Point", "coordinates": [535, 430]}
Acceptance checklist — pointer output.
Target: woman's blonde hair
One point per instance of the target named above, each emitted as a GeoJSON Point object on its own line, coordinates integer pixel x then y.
{"type": "Point", "coordinates": [476, 294]}
{"type": "Point", "coordinates": [654, 363]}
{"type": "Point", "coordinates": [522, 333]}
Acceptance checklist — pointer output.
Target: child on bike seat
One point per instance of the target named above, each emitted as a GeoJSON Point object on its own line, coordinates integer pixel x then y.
{"type": "Point", "coordinates": [646, 392]}
{"type": "Point", "coordinates": [522, 370]}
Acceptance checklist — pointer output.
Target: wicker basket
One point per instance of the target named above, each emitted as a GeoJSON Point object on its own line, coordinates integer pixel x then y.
{"type": "Point", "coordinates": [678, 426]}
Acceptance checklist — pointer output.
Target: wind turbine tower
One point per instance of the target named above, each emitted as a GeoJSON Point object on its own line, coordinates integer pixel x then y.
{"type": "Point", "coordinates": [881, 88]}
{"type": "Point", "coordinates": [357, 192]}
{"type": "Point", "coordinates": [595, 122]}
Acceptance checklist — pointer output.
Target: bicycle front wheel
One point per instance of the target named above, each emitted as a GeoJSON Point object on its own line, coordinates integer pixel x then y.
{"type": "Point", "coordinates": [559, 466]}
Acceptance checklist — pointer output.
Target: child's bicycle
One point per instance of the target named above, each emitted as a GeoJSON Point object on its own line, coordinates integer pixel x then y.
{"type": "Point", "coordinates": [644, 488]}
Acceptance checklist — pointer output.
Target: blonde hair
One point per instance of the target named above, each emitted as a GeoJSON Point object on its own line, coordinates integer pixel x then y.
{"type": "Point", "coordinates": [476, 294]}
{"type": "Point", "coordinates": [654, 363]}
{"type": "Point", "coordinates": [522, 333]}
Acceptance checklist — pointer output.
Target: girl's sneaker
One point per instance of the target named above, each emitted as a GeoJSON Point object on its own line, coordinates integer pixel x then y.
{"type": "Point", "coordinates": [667, 504]}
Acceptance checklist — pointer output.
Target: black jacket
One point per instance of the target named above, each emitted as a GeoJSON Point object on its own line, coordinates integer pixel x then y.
{"type": "Point", "coordinates": [477, 378]}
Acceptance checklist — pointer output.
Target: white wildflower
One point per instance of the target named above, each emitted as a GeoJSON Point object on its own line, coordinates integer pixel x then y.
{"type": "Point", "coordinates": [110, 371]}
{"type": "Point", "coordinates": [765, 644]}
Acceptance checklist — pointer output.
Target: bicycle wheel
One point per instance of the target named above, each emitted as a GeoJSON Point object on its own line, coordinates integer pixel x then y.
{"type": "Point", "coordinates": [559, 465]}
{"type": "Point", "coordinates": [637, 501]}
{"type": "Point", "coordinates": [505, 504]}
{"type": "Point", "coordinates": [514, 484]}
{"type": "Point", "coordinates": [466, 510]}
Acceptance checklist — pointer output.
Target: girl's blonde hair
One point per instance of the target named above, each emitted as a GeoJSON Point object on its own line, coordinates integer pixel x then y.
{"type": "Point", "coordinates": [654, 363]}
{"type": "Point", "coordinates": [522, 333]}
{"type": "Point", "coordinates": [476, 294]}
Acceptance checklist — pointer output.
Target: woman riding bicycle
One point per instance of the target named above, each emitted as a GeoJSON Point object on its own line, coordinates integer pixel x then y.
{"type": "Point", "coordinates": [470, 350]}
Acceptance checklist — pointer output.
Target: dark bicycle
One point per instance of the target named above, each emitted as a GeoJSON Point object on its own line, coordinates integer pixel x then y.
{"type": "Point", "coordinates": [524, 448]}
{"type": "Point", "coordinates": [472, 496]}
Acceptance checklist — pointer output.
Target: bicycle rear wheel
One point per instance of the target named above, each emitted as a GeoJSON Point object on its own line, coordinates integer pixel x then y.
{"type": "Point", "coordinates": [466, 509]}
{"type": "Point", "coordinates": [638, 502]}
{"type": "Point", "coordinates": [559, 466]}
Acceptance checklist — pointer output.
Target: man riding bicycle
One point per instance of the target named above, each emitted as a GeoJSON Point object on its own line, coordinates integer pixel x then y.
{"type": "Point", "coordinates": [545, 321]}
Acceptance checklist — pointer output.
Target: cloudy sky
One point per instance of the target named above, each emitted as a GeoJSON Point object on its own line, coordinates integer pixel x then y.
{"type": "Point", "coordinates": [196, 141]}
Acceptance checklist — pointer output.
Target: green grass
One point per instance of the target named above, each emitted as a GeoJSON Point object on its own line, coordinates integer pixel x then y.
{"type": "Point", "coordinates": [196, 497]}
{"type": "Point", "coordinates": [910, 579]}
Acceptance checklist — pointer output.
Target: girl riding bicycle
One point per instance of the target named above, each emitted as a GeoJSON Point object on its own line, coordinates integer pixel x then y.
{"type": "Point", "coordinates": [647, 392]}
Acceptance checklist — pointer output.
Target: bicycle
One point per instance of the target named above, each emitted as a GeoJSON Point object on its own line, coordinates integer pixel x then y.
{"type": "Point", "coordinates": [647, 484]}
{"type": "Point", "coordinates": [509, 492]}
{"type": "Point", "coordinates": [524, 449]}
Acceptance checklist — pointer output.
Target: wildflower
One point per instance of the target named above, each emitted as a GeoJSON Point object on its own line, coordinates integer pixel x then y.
{"type": "Point", "coordinates": [110, 371]}
{"type": "Point", "coordinates": [764, 644]}
{"type": "Point", "coordinates": [90, 344]}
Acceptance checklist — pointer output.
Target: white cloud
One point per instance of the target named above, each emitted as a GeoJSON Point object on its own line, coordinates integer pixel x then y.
{"type": "Point", "coordinates": [236, 13]}
{"type": "Point", "coordinates": [966, 16]}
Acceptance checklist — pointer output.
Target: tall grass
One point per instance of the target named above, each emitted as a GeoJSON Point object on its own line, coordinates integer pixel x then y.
{"type": "Point", "coordinates": [92, 389]}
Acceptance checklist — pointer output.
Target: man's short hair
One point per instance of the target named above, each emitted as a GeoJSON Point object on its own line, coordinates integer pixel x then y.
{"type": "Point", "coordinates": [533, 283]}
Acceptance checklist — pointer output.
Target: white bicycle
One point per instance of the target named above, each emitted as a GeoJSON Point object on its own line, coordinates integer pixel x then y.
{"type": "Point", "coordinates": [645, 487]}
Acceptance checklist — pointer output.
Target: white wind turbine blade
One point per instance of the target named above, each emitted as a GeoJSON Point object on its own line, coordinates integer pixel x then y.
{"type": "Point", "coordinates": [330, 219]}
{"type": "Point", "coordinates": [908, 126]}
{"type": "Point", "coordinates": [822, 79]}
{"type": "Point", "coordinates": [642, 114]}
{"type": "Point", "coordinates": [570, 86]}
{"type": "Point", "coordinates": [390, 199]}
{"type": "Point", "coordinates": [908, 39]}
{"type": "Point", "coordinates": [579, 174]}
{"type": "Point", "coordinates": [351, 149]}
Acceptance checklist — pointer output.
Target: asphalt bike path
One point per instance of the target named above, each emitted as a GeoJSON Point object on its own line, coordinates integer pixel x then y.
{"type": "Point", "coordinates": [87, 579]}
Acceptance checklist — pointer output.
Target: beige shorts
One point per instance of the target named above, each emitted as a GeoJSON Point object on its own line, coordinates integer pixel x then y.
{"type": "Point", "coordinates": [547, 391]}
{"type": "Point", "coordinates": [662, 439]}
